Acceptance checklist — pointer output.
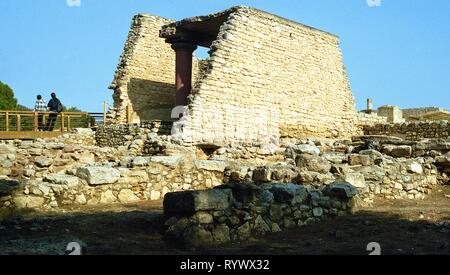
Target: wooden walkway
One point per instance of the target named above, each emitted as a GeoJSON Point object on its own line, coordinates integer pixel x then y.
{"type": "Point", "coordinates": [25, 124]}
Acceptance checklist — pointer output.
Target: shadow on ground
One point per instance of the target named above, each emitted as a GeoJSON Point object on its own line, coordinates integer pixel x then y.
{"type": "Point", "coordinates": [131, 231]}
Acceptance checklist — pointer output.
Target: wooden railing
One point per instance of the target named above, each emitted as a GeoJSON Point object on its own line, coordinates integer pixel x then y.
{"type": "Point", "coordinates": [16, 123]}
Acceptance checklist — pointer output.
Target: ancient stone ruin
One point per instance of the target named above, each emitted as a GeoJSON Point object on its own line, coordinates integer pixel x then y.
{"type": "Point", "coordinates": [270, 139]}
{"type": "Point", "coordinates": [282, 78]}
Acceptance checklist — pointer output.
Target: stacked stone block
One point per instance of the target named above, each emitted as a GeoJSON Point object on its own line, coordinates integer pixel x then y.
{"type": "Point", "coordinates": [268, 78]}
{"type": "Point", "coordinates": [236, 213]}
{"type": "Point", "coordinates": [412, 131]}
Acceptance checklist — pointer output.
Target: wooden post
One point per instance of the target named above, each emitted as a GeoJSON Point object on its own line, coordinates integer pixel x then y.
{"type": "Point", "coordinates": [7, 121]}
{"type": "Point", "coordinates": [88, 121]}
{"type": "Point", "coordinates": [36, 122]}
{"type": "Point", "coordinates": [62, 122]}
{"type": "Point", "coordinates": [18, 122]}
{"type": "Point", "coordinates": [104, 113]}
{"type": "Point", "coordinates": [68, 123]}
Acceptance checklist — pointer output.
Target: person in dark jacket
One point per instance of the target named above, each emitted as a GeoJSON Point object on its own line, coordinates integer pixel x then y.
{"type": "Point", "coordinates": [55, 107]}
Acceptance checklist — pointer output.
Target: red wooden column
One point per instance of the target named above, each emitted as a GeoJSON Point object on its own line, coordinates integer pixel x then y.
{"type": "Point", "coordinates": [183, 70]}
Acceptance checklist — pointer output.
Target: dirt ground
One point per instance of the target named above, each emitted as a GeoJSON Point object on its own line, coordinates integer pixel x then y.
{"type": "Point", "coordinates": [400, 227]}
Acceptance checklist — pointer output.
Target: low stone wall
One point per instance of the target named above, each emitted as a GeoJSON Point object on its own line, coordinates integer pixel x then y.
{"type": "Point", "coordinates": [239, 212]}
{"type": "Point", "coordinates": [375, 174]}
{"type": "Point", "coordinates": [116, 135]}
{"type": "Point", "coordinates": [126, 135]}
{"type": "Point", "coordinates": [81, 136]}
{"type": "Point", "coordinates": [315, 181]}
{"type": "Point", "coordinates": [412, 131]}
{"type": "Point", "coordinates": [141, 180]}
{"type": "Point", "coordinates": [49, 174]}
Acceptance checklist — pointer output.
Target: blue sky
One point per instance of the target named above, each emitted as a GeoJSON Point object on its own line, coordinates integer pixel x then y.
{"type": "Point", "coordinates": [397, 53]}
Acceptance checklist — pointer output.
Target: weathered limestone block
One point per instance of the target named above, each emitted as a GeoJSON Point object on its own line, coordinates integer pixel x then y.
{"type": "Point", "coordinates": [260, 227]}
{"type": "Point", "coordinates": [283, 173]}
{"type": "Point", "coordinates": [127, 196]}
{"type": "Point", "coordinates": [437, 145]}
{"type": "Point", "coordinates": [6, 149]}
{"type": "Point", "coordinates": [43, 162]}
{"type": "Point", "coordinates": [203, 218]}
{"type": "Point", "coordinates": [81, 199]}
{"type": "Point", "coordinates": [335, 157]}
{"type": "Point", "coordinates": [8, 187]}
{"type": "Point", "coordinates": [357, 159]}
{"type": "Point", "coordinates": [250, 193]}
{"type": "Point", "coordinates": [315, 178]}
{"type": "Point", "coordinates": [198, 236]}
{"type": "Point", "coordinates": [302, 149]}
{"type": "Point", "coordinates": [443, 161]}
{"type": "Point", "coordinates": [356, 179]}
{"type": "Point", "coordinates": [211, 165]}
{"type": "Point", "coordinates": [400, 151]}
{"type": "Point", "coordinates": [83, 131]}
{"type": "Point", "coordinates": [108, 197]}
{"type": "Point", "coordinates": [140, 161]}
{"type": "Point", "coordinates": [98, 175]}
{"type": "Point", "coordinates": [262, 174]}
{"type": "Point", "coordinates": [170, 161]}
{"type": "Point", "coordinates": [341, 190]}
{"type": "Point", "coordinates": [313, 163]}
{"type": "Point", "coordinates": [86, 158]}
{"type": "Point", "coordinates": [155, 195]}
{"type": "Point", "coordinates": [192, 201]}
{"type": "Point", "coordinates": [415, 167]}
{"type": "Point", "coordinates": [221, 234]}
{"type": "Point", "coordinates": [289, 193]}
{"type": "Point", "coordinates": [35, 151]}
{"type": "Point", "coordinates": [30, 202]}
{"type": "Point", "coordinates": [62, 179]}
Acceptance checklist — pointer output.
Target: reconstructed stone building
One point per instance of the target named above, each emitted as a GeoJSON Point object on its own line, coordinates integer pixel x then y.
{"type": "Point", "coordinates": [267, 77]}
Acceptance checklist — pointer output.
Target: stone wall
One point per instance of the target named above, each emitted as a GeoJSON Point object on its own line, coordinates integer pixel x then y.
{"type": "Point", "coordinates": [269, 77]}
{"type": "Point", "coordinates": [131, 134]}
{"type": "Point", "coordinates": [369, 120]}
{"type": "Point", "coordinates": [408, 113]}
{"type": "Point", "coordinates": [235, 213]}
{"type": "Point", "coordinates": [412, 131]}
{"type": "Point", "coordinates": [383, 168]}
{"type": "Point", "coordinates": [80, 136]}
{"type": "Point", "coordinates": [48, 174]}
{"type": "Point", "coordinates": [145, 76]}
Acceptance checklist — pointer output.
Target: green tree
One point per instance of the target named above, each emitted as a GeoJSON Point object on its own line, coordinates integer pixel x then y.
{"type": "Point", "coordinates": [7, 99]}
{"type": "Point", "coordinates": [22, 108]}
{"type": "Point", "coordinates": [71, 109]}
